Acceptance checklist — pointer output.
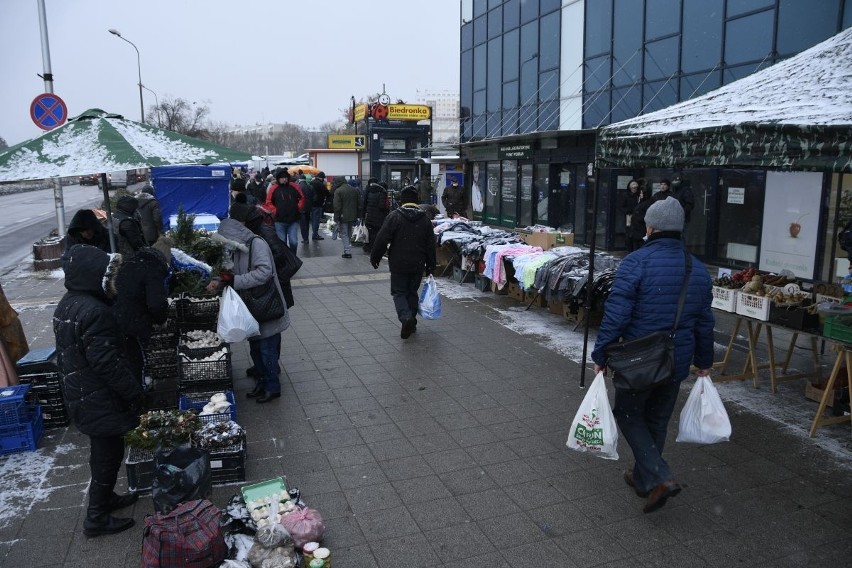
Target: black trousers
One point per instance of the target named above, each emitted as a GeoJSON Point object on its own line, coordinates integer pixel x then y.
{"type": "Point", "coordinates": [135, 355]}
{"type": "Point", "coordinates": [404, 288]}
{"type": "Point", "coordinates": [105, 455]}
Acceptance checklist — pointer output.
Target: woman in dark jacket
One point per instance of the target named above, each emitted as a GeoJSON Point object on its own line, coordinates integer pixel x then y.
{"type": "Point", "coordinates": [143, 299]}
{"type": "Point", "coordinates": [636, 230]}
{"type": "Point", "coordinates": [643, 300]}
{"type": "Point", "coordinates": [374, 210]}
{"type": "Point", "coordinates": [102, 395]}
{"type": "Point", "coordinates": [86, 229]}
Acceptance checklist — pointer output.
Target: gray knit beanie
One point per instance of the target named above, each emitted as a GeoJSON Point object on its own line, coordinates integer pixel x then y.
{"type": "Point", "coordinates": [665, 215]}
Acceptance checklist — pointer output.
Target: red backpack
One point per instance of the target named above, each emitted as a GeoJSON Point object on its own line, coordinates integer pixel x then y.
{"type": "Point", "coordinates": [187, 537]}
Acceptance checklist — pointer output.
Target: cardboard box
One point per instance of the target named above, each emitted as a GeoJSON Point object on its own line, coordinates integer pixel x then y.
{"type": "Point", "coordinates": [540, 301]}
{"type": "Point", "coordinates": [499, 290]}
{"type": "Point", "coordinates": [516, 292]}
{"type": "Point", "coordinates": [556, 307]}
{"type": "Point", "coordinates": [548, 240]}
{"type": "Point", "coordinates": [814, 392]}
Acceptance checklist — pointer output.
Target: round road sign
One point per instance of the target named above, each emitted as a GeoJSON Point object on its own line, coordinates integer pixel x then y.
{"type": "Point", "coordinates": [48, 111]}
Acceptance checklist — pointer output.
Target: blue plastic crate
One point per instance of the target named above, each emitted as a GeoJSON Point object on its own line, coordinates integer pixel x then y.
{"type": "Point", "coordinates": [23, 437]}
{"type": "Point", "coordinates": [196, 402]}
{"type": "Point", "coordinates": [13, 405]}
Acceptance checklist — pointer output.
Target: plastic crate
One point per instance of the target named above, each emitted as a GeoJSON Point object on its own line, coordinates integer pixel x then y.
{"type": "Point", "coordinates": [463, 276]}
{"type": "Point", "coordinates": [482, 283]}
{"type": "Point", "coordinates": [752, 306]}
{"type": "Point", "coordinates": [195, 401]}
{"type": "Point", "coordinates": [194, 372]}
{"type": "Point", "coordinates": [55, 415]}
{"type": "Point", "coordinates": [725, 299]}
{"type": "Point", "coordinates": [201, 352]}
{"type": "Point", "coordinates": [196, 310]}
{"type": "Point", "coordinates": [162, 399]}
{"type": "Point", "coordinates": [14, 410]}
{"type": "Point", "coordinates": [839, 328]}
{"type": "Point", "coordinates": [38, 361]}
{"type": "Point", "coordinates": [22, 437]}
{"type": "Point", "coordinates": [162, 341]}
{"type": "Point", "coordinates": [139, 466]}
{"type": "Point", "coordinates": [793, 317]}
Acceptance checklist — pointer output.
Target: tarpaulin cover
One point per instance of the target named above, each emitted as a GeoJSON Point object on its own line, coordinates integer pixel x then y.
{"type": "Point", "coordinates": [199, 189]}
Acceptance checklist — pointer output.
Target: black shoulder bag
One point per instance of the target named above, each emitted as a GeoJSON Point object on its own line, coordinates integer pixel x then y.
{"type": "Point", "coordinates": [646, 362]}
{"type": "Point", "coordinates": [264, 302]}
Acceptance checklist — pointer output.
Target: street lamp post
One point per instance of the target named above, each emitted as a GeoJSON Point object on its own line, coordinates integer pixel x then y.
{"type": "Point", "coordinates": [139, 68]}
{"type": "Point", "coordinates": [157, 103]}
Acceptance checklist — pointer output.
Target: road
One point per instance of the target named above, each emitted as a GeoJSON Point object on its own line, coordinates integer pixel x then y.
{"type": "Point", "coordinates": [28, 217]}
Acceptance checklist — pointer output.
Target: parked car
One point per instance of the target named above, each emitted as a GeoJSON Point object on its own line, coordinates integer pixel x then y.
{"type": "Point", "coordinates": [91, 179]}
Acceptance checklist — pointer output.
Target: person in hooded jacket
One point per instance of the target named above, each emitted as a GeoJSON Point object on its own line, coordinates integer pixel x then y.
{"type": "Point", "coordinates": [374, 209]}
{"type": "Point", "coordinates": [643, 300]}
{"type": "Point", "coordinates": [409, 240]}
{"type": "Point", "coordinates": [103, 397]}
{"type": "Point", "coordinates": [320, 192]}
{"type": "Point", "coordinates": [150, 216]}
{"type": "Point", "coordinates": [126, 226]}
{"type": "Point", "coordinates": [284, 199]}
{"type": "Point", "coordinates": [86, 229]}
{"type": "Point", "coordinates": [143, 299]}
{"type": "Point", "coordinates": [265, 349]}
{"type": "Point", "coordinates": [257, 188]}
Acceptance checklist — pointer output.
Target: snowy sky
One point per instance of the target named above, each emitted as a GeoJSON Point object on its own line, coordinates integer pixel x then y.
{"type": "Point", "coordinates": [252, 61]}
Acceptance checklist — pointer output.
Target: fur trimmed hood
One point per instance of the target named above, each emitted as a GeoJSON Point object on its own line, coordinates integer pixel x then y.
{"type": "Point", "coordinates": [89, 269]}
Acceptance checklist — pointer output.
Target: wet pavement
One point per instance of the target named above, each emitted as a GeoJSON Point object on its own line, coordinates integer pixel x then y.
{"type": "Point", "coordinates": [448, 448]}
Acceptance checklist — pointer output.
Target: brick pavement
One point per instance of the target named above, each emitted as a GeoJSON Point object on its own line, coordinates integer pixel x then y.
{"type": "Point", "coordinates": [447, 449]}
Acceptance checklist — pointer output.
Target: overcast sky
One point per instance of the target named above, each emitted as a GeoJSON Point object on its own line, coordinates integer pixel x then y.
{"type": "Point", "coordinates": [250, 61]}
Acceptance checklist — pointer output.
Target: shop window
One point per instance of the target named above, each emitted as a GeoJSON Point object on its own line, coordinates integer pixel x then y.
{"type": "Point", "coordinates": [702, 35]}
{"type": "Point", "coordinates": [495, 23]}
{"type": "Point", "coordinates": [492, 184]}
{"type": "Point", "coordinates": [479, 7]}
{"type": "Point", "coordinates": [478, 188]}
{"type": "Point", "coordinates": [749, 39]}
{"type": "Point", "coordinates": [598, 26]}
{"type": "Point", "coordinates": [549, 42]}
{"type": "Point", "coordinates": [661, 59]}
{"type": "Point", "coordinates": [662, 18]}
{"type": "Point", "coordinates": [739, 207]}
{"type": "Point", "coordinates": [511, 55]}
{"type": "Point", "coordinates": [495, 48]}
{"type": "Point", "coordinates": [509, 193]}
{"type": "Point", "coordinates": [466, 36]}
{"type": "Point", "coordinates": [511, 14]}
{"type": "Point", "coordinates": [627, 43]}
{"type": "Point", "coordinates": [525, 219]}
{"type": "Point", "coordinates": [804, 24]}
{"type": "Point", "coordinates": [548, 116]}
{"type": "Point", "coordinates": [737, 7]}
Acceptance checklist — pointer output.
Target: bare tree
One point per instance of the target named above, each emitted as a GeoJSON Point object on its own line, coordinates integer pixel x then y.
{"type": "Point", "coordinates": [181, 116]}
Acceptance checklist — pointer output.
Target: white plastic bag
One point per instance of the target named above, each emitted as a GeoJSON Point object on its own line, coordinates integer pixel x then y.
{"type": "Point", "coordinates": [593, 429]}
{"type": "Point", "coordinates": [235, 321]}
{"type": "Point", "coordinates": [360, 234]}
{"type": "Point", "coordinates": [704, 419]}
{"type": "Point", "coordinates": [430, 300]}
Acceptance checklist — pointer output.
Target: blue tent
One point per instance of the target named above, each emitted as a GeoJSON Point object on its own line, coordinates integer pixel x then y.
{"type": "Point", "coordinates": [199, 189]}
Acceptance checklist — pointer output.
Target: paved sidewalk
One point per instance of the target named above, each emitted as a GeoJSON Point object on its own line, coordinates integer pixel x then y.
{"type": "Point", "coordinates": [448, 449]}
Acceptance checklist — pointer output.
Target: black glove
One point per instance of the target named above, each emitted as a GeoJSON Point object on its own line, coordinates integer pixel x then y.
{"type": "Point", "coordinates": [375, 264]}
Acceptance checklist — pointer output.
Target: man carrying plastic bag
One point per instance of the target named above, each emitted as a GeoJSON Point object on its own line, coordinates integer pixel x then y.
{"type": "Point", "coordinates": [704, 419]}
{"type": "Point", "coordinates": [593, 429]}
{"type": "Point", "coordinates": [407, 232]}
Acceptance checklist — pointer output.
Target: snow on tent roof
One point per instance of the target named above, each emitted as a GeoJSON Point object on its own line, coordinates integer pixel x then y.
{"type": "Point", "coordinates": [794, 114]}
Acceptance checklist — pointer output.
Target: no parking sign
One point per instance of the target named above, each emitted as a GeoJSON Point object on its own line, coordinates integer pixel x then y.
{"type": "Point", "coordinates": [48, 111]}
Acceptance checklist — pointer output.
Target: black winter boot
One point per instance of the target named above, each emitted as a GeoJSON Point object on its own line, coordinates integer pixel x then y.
{"type": "Point", "coordinates": [117, 502]}
{"type": "Point", "coordinates": [98, 520]}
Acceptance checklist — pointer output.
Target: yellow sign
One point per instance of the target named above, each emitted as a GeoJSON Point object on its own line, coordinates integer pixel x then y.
{"type": "Point", "coordinates": [357, 141]}
{"type": "Point", "coordinates": [409, 112]}
{"type": "Point", "coordinates": [360, 112]}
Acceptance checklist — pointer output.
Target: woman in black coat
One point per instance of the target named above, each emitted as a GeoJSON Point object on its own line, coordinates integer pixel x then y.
{"type": "Point", "coordinates": [636, 230]}
{"type": "Point", "coordinates": [374, 211]}
{"type": "Point", "coordinates": [102, 395]}
{"type": "Point", "coordinates": [86, 229]}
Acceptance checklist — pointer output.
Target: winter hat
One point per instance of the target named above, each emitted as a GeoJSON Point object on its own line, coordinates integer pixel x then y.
{"type": "Point", "coordinates": [164, 246]}
{"type": "Point", "coordinates": [282, 172]}
{"type": "Point", "coordinates": [321, 175]}
{"type": "Point", "coordinates": [240, 211]}
{"type": "Point", "coordinates": [238, 184]}
{"type": "Point", "coordinates": [665, 215]}
{"type": "Point", "coordinates": [408, 195]}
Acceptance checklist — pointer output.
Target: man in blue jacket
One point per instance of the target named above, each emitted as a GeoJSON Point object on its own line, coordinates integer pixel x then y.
{"type": "Point", "coordinates": [643, 300]}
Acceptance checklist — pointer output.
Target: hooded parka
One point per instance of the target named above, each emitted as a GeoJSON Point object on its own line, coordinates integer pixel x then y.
{"type": "Point", "coordinates": [408, 232]}
{"type": "Point", "coordinates": [99, 387]}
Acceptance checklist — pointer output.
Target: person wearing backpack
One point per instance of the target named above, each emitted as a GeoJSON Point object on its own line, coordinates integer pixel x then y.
{"type": "Point", "coordinates": [150, 216]}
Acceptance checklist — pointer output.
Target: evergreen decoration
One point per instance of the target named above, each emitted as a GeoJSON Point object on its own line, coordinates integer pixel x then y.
{"type": "Point", "coordinates": [164, 429]}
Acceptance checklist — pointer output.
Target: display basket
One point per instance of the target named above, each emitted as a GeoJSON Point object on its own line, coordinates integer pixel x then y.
{"type": "Point", "coordinates": [162, 341]}
{"type": "Point", "coordinates": [22, 437]}
{"type": "Point", "coordinates": [162, 364]}
{"type": "Point", "coordinates": [839, 328]}
{"type": "Point", "coordinates": [228, 464]}
{"type": "Point", "coordinates": [139, 466]}
{"type": "Point", "coordinates": [197, 400]}
{"type": "Point", "coordinates": [55, 415]}
{"type": "Point", "coordinates": [793, 317]}
{"type": "Point", "coordinates": [725, 299]}
{"type": "Point", "coordinates": [210, 372]}
{"type": "Point", "coordinates": [46, 391]}
{"type": "Point", "coordinates": [190, 310]}
{"type": "Point", "coordinates": [201, 352]}
{"type": "Point", "coordinates": [14, 410]}
{"type": "Point", "coordinates": [752, 306]}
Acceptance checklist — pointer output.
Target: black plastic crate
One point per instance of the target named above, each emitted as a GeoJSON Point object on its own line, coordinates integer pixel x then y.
{"type": "Point", "coordinates": [205, 371]}
{"type": "Point", "coordinates": [160, 341]}
{"type": "Point", "coordinates": [228, 464]}
{"type": "Point", "coordinates": [162, 364]}
{"type": "Point", "coordinates": [162, 399]}
{"type": "Point", "coordinates": [226, 476]}
{"type": "Point", "coordinates": [38, 361]}
{"type": "Point", "coordinates": [194, 388]}
{"type": "Point", "coordinates": [196, 310]}
{"type": "Point", "coordinates": [201, 352]}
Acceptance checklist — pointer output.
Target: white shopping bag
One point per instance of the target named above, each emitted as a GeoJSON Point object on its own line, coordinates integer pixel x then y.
{"type": "Point", "coordinates": [429, 305]}
{"type": "Point", "coordinates": [593, 429]}
{"type": "Point", "coordinates": [235, 321]}
{"type": "Point", "coordinates": [704, 419]}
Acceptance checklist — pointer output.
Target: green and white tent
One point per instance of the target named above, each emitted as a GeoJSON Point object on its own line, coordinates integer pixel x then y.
{"type": "Point", "coordinates": [796, 114]}
{"type": "Point", "coordinates": [98, 142]}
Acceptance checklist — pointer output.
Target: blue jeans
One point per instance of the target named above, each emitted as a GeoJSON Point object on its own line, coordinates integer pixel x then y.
{"type": "Point", "coordinates": [289, 234]}
{"type": "Point", "coordinates": [404, 292]}
{"type": "Point", "coordinates": [643, 418]}
{"type": "Point", "coordinates": [346, 236]}
{"type": "Point", "coordinates": [265, 354]}
{"type": "Point", "coordinates": [316, 215]}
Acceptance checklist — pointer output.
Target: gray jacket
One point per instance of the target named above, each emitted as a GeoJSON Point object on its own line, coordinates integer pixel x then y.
{"type": "Point", "coordinates": [262, 269]}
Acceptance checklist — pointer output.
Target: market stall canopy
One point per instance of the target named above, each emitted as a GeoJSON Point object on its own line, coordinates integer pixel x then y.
{"type": "Point", "coordinates": [796, 114]}
{"type": "Point", "coordinates": [100, 142]}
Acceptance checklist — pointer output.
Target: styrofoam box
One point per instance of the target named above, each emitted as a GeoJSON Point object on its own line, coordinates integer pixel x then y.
{"type": "Point", "coordinates": [725, 299]}
{"type": "Point", "coordinates": [752, 306]}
